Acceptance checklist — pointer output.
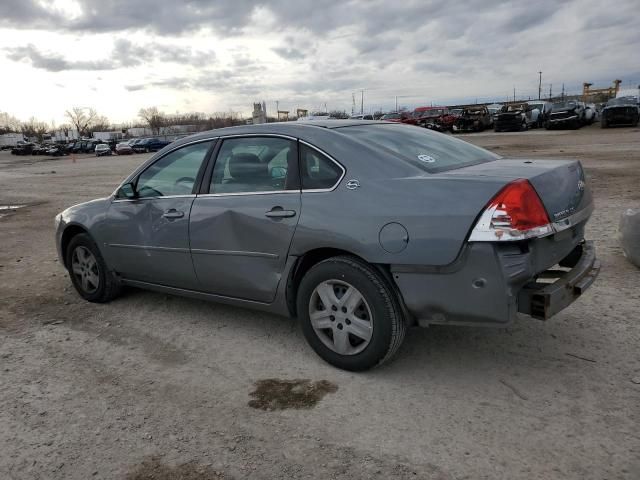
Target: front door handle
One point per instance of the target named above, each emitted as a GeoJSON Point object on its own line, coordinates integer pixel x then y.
{"type": "Point", "coordinates": [278, 212]}
{"type": "Point", "coordinates": [173, 213]}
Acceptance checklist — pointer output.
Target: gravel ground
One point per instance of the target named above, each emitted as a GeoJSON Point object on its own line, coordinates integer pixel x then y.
{"type": "Point", "coordinates": [153, 386]}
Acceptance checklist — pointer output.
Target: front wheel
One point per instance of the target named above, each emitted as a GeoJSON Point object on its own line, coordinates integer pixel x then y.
{"type": "Point", "coordinates": [88, 270]}
{"type": "Point", "coordinates": [349, 315]}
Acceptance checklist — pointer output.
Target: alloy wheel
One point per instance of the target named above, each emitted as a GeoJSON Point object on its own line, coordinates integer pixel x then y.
{"type": "Point", "coordinates": [84, 268]}
{"type": "Point", "coordinates": [341, 317]}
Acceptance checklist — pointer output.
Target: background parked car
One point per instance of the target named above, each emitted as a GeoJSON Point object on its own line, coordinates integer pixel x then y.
{"type": "Point", "coordinates": [473, 119]}
{"type": "Point", "coordinates": [621, 111]}
{"type": "Point", "coordinates": [359, 117]}
{"type": "Point", "coordinates": [512, 117]}
{"type": "Point", "coordinates": [566, 114]}
{"type": "Point", "coordinates": [56, 151]}
{"type": "Point", "coordinates": [102, 149]}
{"type": "Point", "coordinates": [124, 149]}
{"type": "Point", "coordinates": [392, 117]}
{"type": "Point", "coordinates": [493, 110]}
{"type": "Point", "coordinates": [433, 118]}
{"type": "Point", "coordinates": [540, 112]}
{"type": "Point", "coordinates": [23, 148]}
{"type": "Point", "coordinates": [150, 145]}
{"type": "Point", "coordinates": [84, 146]}
{"type": "Point", "coordinates": [589, 114]}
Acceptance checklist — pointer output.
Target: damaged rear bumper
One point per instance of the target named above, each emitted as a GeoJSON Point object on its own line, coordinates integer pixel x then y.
{"type": "Point", "coordinates": [490, 284]}
{"type": "Point", "coordinates": [555, 289]}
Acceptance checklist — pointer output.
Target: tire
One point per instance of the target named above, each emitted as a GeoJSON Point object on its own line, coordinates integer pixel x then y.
{"type": "Point", "coordinates": [524, 127]}
{"type": "Point", "coordinates": [603, 123]}
{"type": "Point", "coordinates": [92, 267]}
{"type": "Point", "coordinates": [376, 308]}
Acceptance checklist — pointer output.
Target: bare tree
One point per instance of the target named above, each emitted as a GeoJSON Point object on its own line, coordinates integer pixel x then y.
{"type": "Point", "coordinates": [341, 114]}
{"type": "Point", "coordinates": [153, 117]}
{"type": "Point", "coordinates": [100, 124]}
{"type": "Point", "coordinates": [34, 128]}
{"type": "Point", "coordinates": [65, 128]}
{"type": "Point", "coordinates": [81, 118]}
{"type": "Point", "coordinates": [9, 123]}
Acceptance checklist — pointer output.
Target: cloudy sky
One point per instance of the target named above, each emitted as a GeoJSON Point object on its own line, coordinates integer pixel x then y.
{"type": "Point", "coordinates": [219, 55]}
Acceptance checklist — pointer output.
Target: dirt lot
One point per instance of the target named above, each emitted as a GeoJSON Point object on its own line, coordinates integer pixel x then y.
{"type": "Point", "coordinates": [153, 386]}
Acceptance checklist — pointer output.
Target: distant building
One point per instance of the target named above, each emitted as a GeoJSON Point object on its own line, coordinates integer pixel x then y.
{"type": "Point", "coordinates": [259, 114]}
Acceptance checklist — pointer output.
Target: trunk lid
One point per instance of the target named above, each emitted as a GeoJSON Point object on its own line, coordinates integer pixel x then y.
{"type": "Point", "coordinates": [560, 183]}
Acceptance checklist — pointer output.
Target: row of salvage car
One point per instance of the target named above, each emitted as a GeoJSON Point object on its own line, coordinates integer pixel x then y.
{"type": "Point", "coordinates": [624, 111]}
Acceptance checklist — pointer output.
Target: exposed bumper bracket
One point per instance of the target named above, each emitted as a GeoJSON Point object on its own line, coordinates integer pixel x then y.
{"type": "Point", "coordinates": [553, 290]}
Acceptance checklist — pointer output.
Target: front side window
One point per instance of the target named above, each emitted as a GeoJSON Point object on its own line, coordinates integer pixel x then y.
{"type": "Point", "coordinates": [316, 170]}
{"type": "Point", "coordinates": [255, 164]}
{"type": "Point", "coordinates": [173, 174]}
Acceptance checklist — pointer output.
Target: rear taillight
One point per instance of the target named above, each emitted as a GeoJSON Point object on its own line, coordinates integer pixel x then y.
{"type": "Point", "coordinates": [515, 213]}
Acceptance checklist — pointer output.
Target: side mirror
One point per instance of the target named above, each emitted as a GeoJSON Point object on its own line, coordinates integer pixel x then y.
{"type": "Point", "coordinates": [128, 191]}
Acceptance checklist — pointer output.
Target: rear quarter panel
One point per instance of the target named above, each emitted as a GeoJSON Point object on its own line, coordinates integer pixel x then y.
{"type": "Point", "coordinates": [437, 213]}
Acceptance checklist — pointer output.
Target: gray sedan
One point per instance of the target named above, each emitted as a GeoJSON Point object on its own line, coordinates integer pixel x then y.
{"type": "Point", "coordinates": [359, 229]}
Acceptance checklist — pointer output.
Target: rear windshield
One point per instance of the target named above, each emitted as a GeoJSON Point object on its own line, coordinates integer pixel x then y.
{"type": "Point", "coordinates": [430, 151]}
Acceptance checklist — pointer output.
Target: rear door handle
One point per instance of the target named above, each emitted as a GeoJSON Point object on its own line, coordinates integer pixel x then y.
{"type": "Point", "coordinates": [173, 213]}
{"type": "Point", "coordinates": [278, 212]}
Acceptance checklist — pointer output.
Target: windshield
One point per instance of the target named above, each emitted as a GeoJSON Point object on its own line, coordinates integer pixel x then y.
{"type": "Point", "coordinates": [539, 106]}
{"type": "Point", "coordinates": [622, 101]}
{"type": "Point", "coordinates": [430, 151]}
{"type": "Point", "coordinates": [563, 106]}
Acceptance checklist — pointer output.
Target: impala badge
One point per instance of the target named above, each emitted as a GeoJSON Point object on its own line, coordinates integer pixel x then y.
{"type": "Point", "coordinates": [353, 184]}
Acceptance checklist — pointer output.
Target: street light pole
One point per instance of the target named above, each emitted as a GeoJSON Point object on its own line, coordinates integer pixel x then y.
{"type": "Point", "coordinates": [540, 86]}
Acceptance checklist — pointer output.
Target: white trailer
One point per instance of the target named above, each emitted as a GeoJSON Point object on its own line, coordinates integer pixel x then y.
{"type": "Point", "coordinates": [10, 139]}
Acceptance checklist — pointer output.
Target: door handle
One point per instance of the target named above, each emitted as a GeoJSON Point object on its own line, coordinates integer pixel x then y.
{"type": "Point", "coordinates": [173, 213]}
{"type": "Point", "coordinates": [278, 212]}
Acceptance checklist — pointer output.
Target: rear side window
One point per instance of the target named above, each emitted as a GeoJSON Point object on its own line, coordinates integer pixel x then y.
{"type": "Point", "coordinates": [430, 151]}
{"type": "Point", "coordinates": [255, 164]}
{"type": "Point", "coordinates": [318, 172]}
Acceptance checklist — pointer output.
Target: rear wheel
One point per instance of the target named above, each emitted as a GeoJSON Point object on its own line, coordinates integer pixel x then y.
{"type": "Point", "coordinates": [88, 271]}
{"type": "Point", "coordinates": [349, 315]}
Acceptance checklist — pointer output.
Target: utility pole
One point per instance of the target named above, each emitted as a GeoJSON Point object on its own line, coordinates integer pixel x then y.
{"type": "Point", "coordinates": [353, 103]}
{"type": "Point", "coordinates": [540, 86]}
{"type": "Point", "coordinates": [361, 101]}
{"type": "Point", "coordinates": [514, 94]}
{"type": "Point", "coordinates": [396, 103]}
{"type": "Point", "coordinates": [563, 92]}
{"type": "Point", "coordinates": [550, 90]}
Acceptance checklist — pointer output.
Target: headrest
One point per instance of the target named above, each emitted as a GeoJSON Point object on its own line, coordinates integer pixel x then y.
{"type": "Point", "coordinates": [246, 165]}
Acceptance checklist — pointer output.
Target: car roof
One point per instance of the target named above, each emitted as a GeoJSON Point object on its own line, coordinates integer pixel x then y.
{"type": "Point", "coordinates": [320, 133]}
{"type": "Point", "coordinates": [294, 129]}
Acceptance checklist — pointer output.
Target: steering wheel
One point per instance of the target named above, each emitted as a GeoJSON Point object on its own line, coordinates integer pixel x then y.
{"type": "Point", "coordinates": [185, 180]}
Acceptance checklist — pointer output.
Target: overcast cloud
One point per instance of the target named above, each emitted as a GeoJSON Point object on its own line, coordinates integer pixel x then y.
{"type": "Point", "coordinates": [212, 56]}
